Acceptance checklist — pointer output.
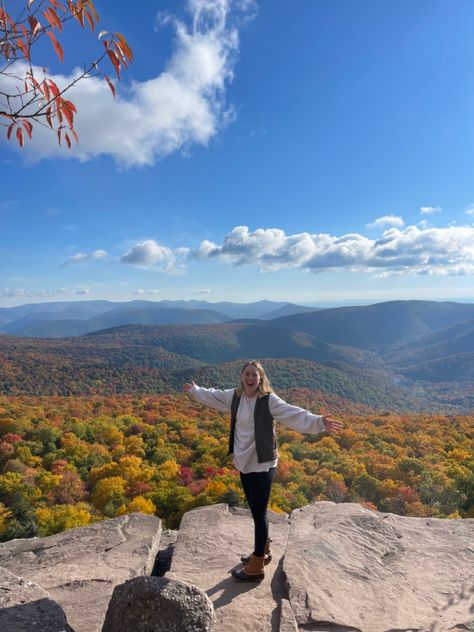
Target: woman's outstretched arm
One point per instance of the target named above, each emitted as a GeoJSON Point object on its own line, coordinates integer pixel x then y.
{"type": "Point", "coordinates": [300, 419]}
{"type": "Point", "coordinates": [212, 397]}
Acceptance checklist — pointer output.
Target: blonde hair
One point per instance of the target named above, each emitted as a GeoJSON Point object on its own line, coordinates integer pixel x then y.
{"type": "Point", "coordinates": [264, 386]}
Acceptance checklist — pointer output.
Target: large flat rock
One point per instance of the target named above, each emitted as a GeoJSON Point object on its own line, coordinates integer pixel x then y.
{"type": "Point", "coordinates": [80, 567]}
{"type": "Point", "coordinates": [210, 543]}
{"type": "Point", "coordinates": [24, 606]}
{"type": "Point", "coordinates": [352, 569]}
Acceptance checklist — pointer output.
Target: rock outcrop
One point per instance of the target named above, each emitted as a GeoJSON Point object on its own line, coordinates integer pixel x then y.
{"type": "Point", "coordinates": [79, 568]}
{"type": "Point", "coordinates": [157, 604]}
{"type": "Point", "coordinates": [26, 606]}
{"type": "Point", "coordinates": [350, 568]}
{"type": "Point", "coordinates": [210, 543]}
{"type": "Point", "coordinates": [335, 568]}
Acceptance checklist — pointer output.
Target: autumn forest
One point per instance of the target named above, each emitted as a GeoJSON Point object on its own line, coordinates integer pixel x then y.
{"type": "Point", "coordinates": [70, 461]}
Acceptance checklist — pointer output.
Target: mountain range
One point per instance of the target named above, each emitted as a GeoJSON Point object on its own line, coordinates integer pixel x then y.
{"type": "Point", "coordinates": [400, 355]}
{"type": "Point", "coordinates": [63, 319]}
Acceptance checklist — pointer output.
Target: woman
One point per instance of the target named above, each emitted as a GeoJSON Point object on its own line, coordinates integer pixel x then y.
{"type": "Point", "coordinates": [254, 408]}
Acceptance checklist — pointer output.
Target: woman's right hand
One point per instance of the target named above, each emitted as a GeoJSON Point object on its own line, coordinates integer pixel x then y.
{"type": "Point", "coordinates": [187, 386]}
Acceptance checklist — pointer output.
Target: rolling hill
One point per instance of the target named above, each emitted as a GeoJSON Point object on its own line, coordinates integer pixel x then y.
{"type": "Point", "coordinates": [412, 355]}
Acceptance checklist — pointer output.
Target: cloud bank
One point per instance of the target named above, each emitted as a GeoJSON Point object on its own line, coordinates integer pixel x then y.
{"type": "Point", "coordinates": [182, 106]}
{"type": "Point", "coordinates": [413, 250]}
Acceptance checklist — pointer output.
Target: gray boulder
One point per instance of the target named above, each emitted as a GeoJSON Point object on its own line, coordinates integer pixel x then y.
{"type": "Point", "coordinates": [80, 567]}
{"type": "Point", "coordinates": [349, 568]}
{"type": "Point", "coordinates": [158, 604]}
{"type": "Point", "coordinates": [24, 606]}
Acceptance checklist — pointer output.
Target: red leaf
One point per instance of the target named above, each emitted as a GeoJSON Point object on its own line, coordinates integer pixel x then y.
{"type": "Point", "coordinates": [124, 46]}
{"type": "Point", "coordinates": [57, 45]}
{"type": "Point", "coordinates": [10, 130]}
{"type": "Point", "coordinates": [23, 47]}
{"type": "Point", "coordinates": [28, 127]}
{"type": "Point", "coordinates": [45, 90]}
{"type": "Point", "coordinates": [54, 88]}
{"type": "Point", "coordinates": [67, 111]}
{"type": "Point", "coordinates": [53, 18]}
{"type": "Point", "coordinates": [68, 140]}
{"type": "Point", "coordinates": [120, 53]}
{"type": "Point", "coordinates": [115, 61]}
{"type": "Point", "coordinates": [35, 25]}
{"type": "Point", "coordinates": [49, 116]}
{"type": "Point", "coordinates": [78, 14]}
{"type": "Point", "coordinates": [70, 105]}
{"type": "Point", "coordinates": [111, 85]}
{"type": "Point", "coordinates": [90, 19]}
{"type": "Point", "coordinates": [19, 136]}
{"type": "Point", "coordinates": [92, 8]}
{"type": "Point", "coordinates": [58, 5]}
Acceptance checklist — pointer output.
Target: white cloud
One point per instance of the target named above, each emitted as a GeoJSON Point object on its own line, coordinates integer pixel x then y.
{"type": "Point", "coordinates": [428, 210]}
{"type": "Point", "coordinates": [387, 220]}
{"type": "Point", "coordinates": [181, 106]}
{"type": "Point", "coordinates": [79, 257]}
{"type": "Point", "coordinates": [205, 290]}
{"type": "Point", "coordinates": [413, 250]}
{"type": "Point", "coordinates": [6, 292]}
{"type": "Point", "coordinates": [141, 292]}
{"type": "Point", "coordinates": [149, 253]}
{"type": "Point", "coordinates": [83, 292]}
{"type": "Point", "coordinates": [470, 210]}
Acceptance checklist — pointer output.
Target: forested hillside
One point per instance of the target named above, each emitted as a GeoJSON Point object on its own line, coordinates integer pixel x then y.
{"type": "Point", "coordinates": [131, 362]}
{"type": "Point", "coordinates": [66, 462]}
{"type": "Point", "coordinates": [157, 359]}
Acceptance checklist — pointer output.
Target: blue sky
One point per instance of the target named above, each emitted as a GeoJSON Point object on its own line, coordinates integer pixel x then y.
{"type": "Point", "coordinates": [316, 151]}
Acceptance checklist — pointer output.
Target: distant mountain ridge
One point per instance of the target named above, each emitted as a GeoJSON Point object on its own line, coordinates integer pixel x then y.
{"type": "Point", "coordinates": [404, 355]}
{"type": "Point", "coordinates": [65, 319]}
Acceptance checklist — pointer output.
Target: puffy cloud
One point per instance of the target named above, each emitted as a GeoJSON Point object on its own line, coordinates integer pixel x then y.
{"type": "Point", "coordinates": [149, 253]}
{"type": "Point", "coordinates": [183, 105]}
{"type": "Point", "coordinates": [83, 291]}
{"type": "Point", "coordinates": [387, 220]}
{"type": "Point", "coordinates": [84, 256]}
{"type": "Point", "coordinates": [413, 250]}
{"type": "Point", "coordinates": [428, 210]}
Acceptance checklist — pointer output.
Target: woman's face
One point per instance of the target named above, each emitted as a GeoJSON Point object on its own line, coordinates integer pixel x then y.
{"type": "Point", "coordinates": [250, 378]}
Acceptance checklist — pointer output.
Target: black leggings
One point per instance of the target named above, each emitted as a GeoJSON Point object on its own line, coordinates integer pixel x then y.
{"type": "Point", "coordinates": [257, 487]}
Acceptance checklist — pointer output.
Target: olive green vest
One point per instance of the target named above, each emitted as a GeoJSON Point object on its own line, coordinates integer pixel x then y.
{"type": "Point", "coordinates": [265, 434]}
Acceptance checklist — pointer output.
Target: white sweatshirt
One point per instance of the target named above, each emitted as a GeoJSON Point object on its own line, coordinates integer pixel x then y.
{"type": "Point", "coordinates": [245, 453]}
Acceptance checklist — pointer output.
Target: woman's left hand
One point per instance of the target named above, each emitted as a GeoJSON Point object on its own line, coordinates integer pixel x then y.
{"type": "Point", "coordinates": [332, 425]}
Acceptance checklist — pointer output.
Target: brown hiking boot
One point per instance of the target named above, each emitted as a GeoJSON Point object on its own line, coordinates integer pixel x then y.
{"type": "Point", "coordinates": [267, 554]}
{"type": "Point", "coordinates": [253, 571]}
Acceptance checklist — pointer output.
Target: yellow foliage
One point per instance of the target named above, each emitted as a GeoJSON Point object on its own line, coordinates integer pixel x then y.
{"type": "Point", "coordinates": [138, 504]}
{"type": "Point", "coordinates": [4, 516]}
{"type": "Point", "coordinates": [60, 517]}
{"type": "Point", "coordinates": [108, 489]}
{"type": "Point", "coordinates": [458, 454]}
{"type": "Point", "coordinates": [168, 470]}
{"type": "Point", "coordinates": [215, 489]}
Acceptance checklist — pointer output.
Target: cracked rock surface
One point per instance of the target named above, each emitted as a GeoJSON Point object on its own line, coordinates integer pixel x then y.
{"type": "Point", "coordinates": [26, 606]}
{"type": "Point", "coordinates": [80, 567]}
{"type": "Point", "coordinates": [355, 570]}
